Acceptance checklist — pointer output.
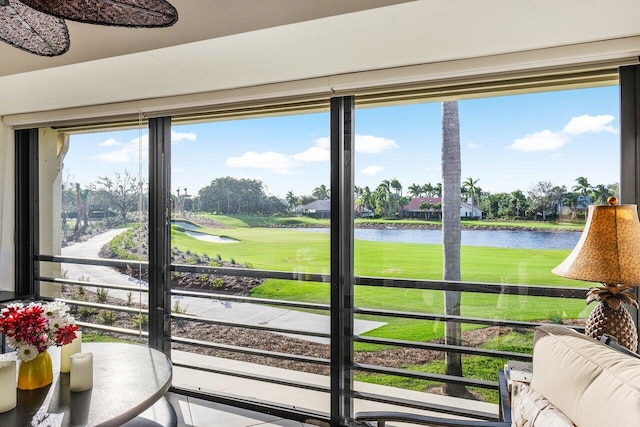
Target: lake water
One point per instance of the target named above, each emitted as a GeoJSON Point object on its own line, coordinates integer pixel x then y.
{"type": "Point", "coordinates": [494, 238]}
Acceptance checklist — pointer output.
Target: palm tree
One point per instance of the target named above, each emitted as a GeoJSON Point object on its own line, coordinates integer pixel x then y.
{"type": "Point", "coordinates": [428, 189]}
{"type": "Point", "coordinates": [415, 190]}
{"type": "Point", "coordinates": [518, 201]}
{"type": "Point", "coordinates": [384, 198]}
{"type": "Point", "coordinates": [367, 199]}
{"type": "Point", "coordinates": [583, 187]}
{"type": "Point", "coordinates": [572, 200]}
{"type": "Point", "coordinates": [559, 194]}
{"type": "Point", "coordinates": [470, 185]}
{"type": "Point", "coordinates": [437, 190]}
{"type": "Point", "coordinates": [321, 192]}
{"type": "Point", "coordinates": [451, 235]}
{"type": "Point", "coordinates": [601, 193]}
{"type": "Point", "coordinates": [292, 200]}
{"type": "Point", "coordinates": [396, 186]}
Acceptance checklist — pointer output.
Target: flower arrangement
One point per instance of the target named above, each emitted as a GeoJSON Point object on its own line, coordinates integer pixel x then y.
{"type": "Point", "coordinates": [32, 329]}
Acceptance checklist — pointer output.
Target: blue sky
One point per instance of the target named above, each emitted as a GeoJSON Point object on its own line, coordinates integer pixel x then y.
{"type": "Point", "coordinates": [507, 143]}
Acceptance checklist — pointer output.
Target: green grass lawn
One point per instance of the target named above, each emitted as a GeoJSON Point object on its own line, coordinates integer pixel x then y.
{"type": "Point", "coordinates": [476, 367]}
{"type": "Point", "coordinates": [308, 252]}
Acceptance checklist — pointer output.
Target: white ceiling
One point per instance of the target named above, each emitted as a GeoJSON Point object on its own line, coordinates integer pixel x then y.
{"type": "Point", "coordinates": [225, 44]}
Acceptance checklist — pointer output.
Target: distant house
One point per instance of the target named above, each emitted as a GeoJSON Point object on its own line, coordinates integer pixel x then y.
{"type": "Point", "coordinates": [431, 208]}
{"type": "Point", "coordinates": [316, 209]}
{"type": "Point", "coordinates": [322, 209]}
{"type": "Point", "coordinates": [468, 211]}
{"type": "Point", "coordinates": [362, 212]}
{"type": "Point", "coordinates": [423, 207]}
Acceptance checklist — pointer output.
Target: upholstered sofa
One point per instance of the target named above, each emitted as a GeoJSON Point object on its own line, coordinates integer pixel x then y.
{"type": "Point", "coordinates": [577, 381]}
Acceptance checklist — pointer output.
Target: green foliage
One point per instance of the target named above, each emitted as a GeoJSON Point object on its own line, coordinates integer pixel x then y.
{"type": "Point", "coordinates": [477, 367]}
{"type": "Point", "coordinates": [102, 294]}
{"type": "Point", "coordinates": [177, 309]}
{"type": "Point", "coordinates": [100, 337]}
{"type": "Point", "coordinates": [239, 196]}
{"type": "Point", "coordinates": [129, 298]}
{"type": "Point", "coordinates": [129, 244]}
{"type": "Point", "coordinates": [141, 321]}
{"type": "Point", "coordinates": [217, 283]}
{"type": "Point", "coordinates": [106, 317]}
{"type": "Point", "coordinates": [556, 317]}
{"type": "Point", "coordinates": [86, 312]}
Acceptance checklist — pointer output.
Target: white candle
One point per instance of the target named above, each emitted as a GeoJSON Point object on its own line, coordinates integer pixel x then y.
{"type": "Point", "coordinates": [8, 387]}
{"type": "Point", "coordinates": [81, 377]}
{"type": "Point", "coordinates": [69, 350]}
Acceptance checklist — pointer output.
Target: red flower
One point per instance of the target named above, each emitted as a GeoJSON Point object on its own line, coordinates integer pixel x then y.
{"type": "Point", "coordinates": [37, 325]}
{"type": "Point", "coordinates": [66, 335]}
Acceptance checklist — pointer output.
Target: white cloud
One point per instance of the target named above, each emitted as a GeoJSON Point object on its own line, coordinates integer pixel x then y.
{"type": "Point", "coordinates": [181, 136]}
{"type": "Point", "coordinates": [277, 162]}
{"type": "Point", "coordinates": [313, 154]}
{"type": "Point", "coordinates": [126, 153]}
{"type": "Point", "coordinates": [373, 144]}
{"type": "Point", "coordinates": [324, 142]}
{"type": "Point", "coordinates": [586, 123]}
{"type": "Point", "coordinates": [372, 170]}
{"type": "Point", "coordinates": [287, 164]}
{"type": "Point", "coordinates": [319, 153]}
{"type": "Point", "coordinates": [547, 140]}
{"type": "Point", "coordinates": [111, 142]}
{"type": "Point", "coordinates": [540, 141]}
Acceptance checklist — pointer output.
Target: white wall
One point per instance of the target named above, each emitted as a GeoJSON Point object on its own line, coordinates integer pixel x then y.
{"type": "Point", "coordinates": [6, 209]}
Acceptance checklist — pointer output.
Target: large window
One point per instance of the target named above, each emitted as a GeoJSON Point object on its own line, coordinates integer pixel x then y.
{"type": "Point", "coordinates": [529, 166]}
{"type": "Point", "coordinates": [252, 194]}
{"type": "Point", "coordinates": [251, 243]}
{"type": "Point", "coordinates": [100, 200]}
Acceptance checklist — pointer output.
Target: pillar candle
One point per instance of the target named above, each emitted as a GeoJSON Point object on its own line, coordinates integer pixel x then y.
{"type": "Point", "coordinates": [81, 375]}
{"type": "Point", "coordinates": [69, 350]}
{"type": "Point", "coordinates": [8, 387]}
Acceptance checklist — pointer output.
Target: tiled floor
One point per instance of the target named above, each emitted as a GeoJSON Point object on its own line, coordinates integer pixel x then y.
{"type": "Point", "coordinates": [201, 413]}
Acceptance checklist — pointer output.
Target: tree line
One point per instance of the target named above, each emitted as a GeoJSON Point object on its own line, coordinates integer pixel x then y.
{"type": "Point", "coordinates": [542, 200]}
{"type": "Point", "coordinates": [116, 199]}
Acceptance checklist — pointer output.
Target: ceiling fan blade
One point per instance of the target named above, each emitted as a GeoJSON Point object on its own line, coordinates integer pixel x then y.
{"type": "Point", "coordinates": [33, 31]}
{"type": "Point", "coordinates": [125, 13]}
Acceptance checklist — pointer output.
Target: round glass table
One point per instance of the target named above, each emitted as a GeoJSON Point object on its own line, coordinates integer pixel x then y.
{"type": "Point", "coordinates": [127, 379]}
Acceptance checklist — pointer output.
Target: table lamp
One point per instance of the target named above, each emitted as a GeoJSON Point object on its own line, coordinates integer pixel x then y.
{"type": "Point", "coordinates": [608, 252]}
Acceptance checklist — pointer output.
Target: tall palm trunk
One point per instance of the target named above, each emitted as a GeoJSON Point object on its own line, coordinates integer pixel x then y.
{"type": "Point", "coordinates": [451, 234]}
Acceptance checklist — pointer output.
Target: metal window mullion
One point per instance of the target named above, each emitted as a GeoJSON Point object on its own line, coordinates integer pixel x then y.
{"type": "Point", "coordinates": [159, 234]}
{"type": "Point", "coordinates": [27, 225]}
{"type": "Point", "coordinates": [342, 155]}
{"type": "Point", "coordinates": [630, 143]}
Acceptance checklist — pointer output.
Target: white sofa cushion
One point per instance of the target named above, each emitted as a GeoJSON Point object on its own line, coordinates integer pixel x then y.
{"type": "Point", "coordinates": [591, 383]}
{"type": "Point", "coordinates": [531, 409]}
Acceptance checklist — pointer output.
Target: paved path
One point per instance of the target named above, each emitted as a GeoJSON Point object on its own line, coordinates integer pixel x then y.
{"type": "Point", "coordinates": [210, 308]}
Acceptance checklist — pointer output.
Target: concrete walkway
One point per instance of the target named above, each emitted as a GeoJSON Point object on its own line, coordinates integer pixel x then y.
{"type": "Point", "coordinates": [209, 308]}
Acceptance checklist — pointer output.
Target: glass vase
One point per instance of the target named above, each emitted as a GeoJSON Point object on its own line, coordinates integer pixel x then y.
{"type": "Point", "coordinates": [35, 373]}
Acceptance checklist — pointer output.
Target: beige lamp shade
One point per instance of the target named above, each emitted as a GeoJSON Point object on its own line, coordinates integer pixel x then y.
{"type": "Point", "coordinates": [609, 248]}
